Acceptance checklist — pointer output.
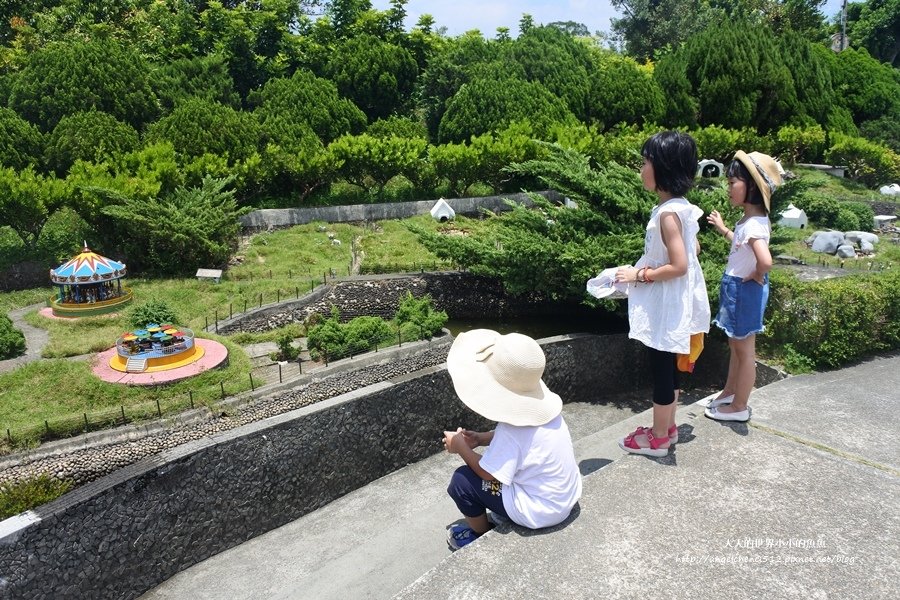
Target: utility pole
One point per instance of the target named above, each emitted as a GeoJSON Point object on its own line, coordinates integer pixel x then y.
{"type": "Point", "coordinates": [844, 25]}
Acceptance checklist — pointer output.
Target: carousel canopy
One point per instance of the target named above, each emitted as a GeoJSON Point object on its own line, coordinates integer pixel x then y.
{"type": "Point", "coordinates": [87, 267]}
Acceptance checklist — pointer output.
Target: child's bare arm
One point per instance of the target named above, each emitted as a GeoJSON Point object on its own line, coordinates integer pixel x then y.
{"type": "Point", "coordinates": [763, 259]}
{"type": "Point", "coordinates": [457, 444]}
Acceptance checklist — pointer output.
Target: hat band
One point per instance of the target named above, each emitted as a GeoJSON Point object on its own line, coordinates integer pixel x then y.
{"type": "Point", "coordinates": [764, 175]}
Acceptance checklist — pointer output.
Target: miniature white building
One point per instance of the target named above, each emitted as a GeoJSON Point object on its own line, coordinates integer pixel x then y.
{"type": "Point", "coordinates": [794, 217]}
{"type": "Point", "coordinates": [883, 221]}
{"type": "Point", "coordinates": [710, 168]}
{"type": "Point", "coordinates": [442, 212]}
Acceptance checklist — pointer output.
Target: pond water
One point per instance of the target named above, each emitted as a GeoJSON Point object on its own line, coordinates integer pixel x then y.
{"type": "Point", "coordinates": [546, 326]}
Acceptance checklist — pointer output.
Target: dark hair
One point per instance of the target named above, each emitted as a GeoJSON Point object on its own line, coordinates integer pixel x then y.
{"type": "Point", "coordinates": [674, 159]}
{"type": "Point", "coordinates": [738, 170]}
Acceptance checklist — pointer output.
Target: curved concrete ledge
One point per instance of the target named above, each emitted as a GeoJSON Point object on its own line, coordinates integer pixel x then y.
{"type": "Point", "coordinates": [123, 534]}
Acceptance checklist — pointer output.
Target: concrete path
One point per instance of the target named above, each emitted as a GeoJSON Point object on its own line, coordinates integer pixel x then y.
{"type": "Point", "coordinates": [35, 339]}
{"type": "Point", "coordinates": [800, 502]}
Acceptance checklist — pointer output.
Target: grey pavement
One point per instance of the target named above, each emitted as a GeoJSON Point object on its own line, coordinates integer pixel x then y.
{"type": "Point", "coordinates": [803, 501]}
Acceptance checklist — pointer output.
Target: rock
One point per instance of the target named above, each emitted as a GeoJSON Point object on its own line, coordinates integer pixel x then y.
{"type": "Point", "coordinates": [786, 259]}
{"type": "Point", "coordinates": [866, 247]}
{"type": "Point", "coordinates": [827, 241]}
{"type": "Point", "coordinates": [857, 237]}
{"type": "Point", "coordinates": [846, 251]}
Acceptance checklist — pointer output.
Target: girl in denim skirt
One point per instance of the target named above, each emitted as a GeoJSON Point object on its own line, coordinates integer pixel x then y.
{"type": "Point", "coordinates": [744, 291]}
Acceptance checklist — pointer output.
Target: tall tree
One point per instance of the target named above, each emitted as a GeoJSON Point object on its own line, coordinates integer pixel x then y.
{"type": "Point", "coordinates": [875, 26]}
{"type": "Point", "coordinates": [64, 78]}
{"type": "Point", "coordinates": [344, 13]}
{"type": "Point", "coordinates": [378, 76]}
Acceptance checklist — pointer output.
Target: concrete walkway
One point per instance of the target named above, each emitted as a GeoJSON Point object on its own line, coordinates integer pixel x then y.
{"type": "Point", "coordinates": [35, 339]}
{"type": "Point", "coordinates": [801, 502]}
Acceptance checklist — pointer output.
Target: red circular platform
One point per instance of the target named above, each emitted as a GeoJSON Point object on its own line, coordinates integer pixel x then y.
{"type": "Point", "coordinates": [215, 354]}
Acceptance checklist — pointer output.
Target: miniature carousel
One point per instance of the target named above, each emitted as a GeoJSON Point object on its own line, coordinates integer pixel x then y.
{"type": "Point", "coordinates": [88, 285]}
{"type": "Point", "coordinates": [155, 348]}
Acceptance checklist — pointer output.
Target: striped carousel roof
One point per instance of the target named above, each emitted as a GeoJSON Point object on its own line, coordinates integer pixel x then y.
{"type": "Point", "coordinates": [86, 267]}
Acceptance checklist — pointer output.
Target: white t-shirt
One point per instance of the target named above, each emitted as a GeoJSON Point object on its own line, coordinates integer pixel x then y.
{"type": "Point", "coordinates": [664, 314]}
{"type": "Point", "coordinates": [537, 467]}
{"type": "Point", "coordinates": [742, 260]}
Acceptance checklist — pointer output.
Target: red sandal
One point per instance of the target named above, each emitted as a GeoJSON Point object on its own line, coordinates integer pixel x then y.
{"type": "Point", "coordinates": [673, 433]}
{"type": "Point", "coordinates": [654, 446]}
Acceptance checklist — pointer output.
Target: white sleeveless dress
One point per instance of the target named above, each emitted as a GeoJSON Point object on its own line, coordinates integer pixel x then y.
{"type": "Point", "coordinates": [664, 314]}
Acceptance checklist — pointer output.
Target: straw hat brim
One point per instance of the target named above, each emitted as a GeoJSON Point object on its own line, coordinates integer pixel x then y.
{"type": "Point", "coordinates": [477, 388]}
{"type": "Point", "coordinates": [761, 166]}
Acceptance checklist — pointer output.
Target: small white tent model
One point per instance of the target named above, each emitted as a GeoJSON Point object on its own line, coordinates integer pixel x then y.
{"type": "Point", "coordinates": [442, 212]}
{"type": "Point", "coordinates": [710, 168]}
{"type": "Point", "coordinates": [890, 190]}
{"type": "Point", "coordinates": [793, 217]}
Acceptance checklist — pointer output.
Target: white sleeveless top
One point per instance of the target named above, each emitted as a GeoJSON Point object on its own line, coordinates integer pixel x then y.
{"type": "Point", "coordinates": [664, 314]}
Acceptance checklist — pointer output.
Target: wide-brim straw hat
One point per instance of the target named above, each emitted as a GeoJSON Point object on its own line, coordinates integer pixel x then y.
{"type": "Point", "coordinates": [764, 170]}
{"type": "Point", "coordinates": [499, 377]}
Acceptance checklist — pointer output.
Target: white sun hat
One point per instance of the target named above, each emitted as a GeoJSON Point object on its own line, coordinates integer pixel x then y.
{"type": "Point", "coordinates": [499, 377]}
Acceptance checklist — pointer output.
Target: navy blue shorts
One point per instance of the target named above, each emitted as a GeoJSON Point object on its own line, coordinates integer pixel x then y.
{"type": "Point", "coordinates": [741, 306]}
{"type": "Point", "coordinates": [473, 495]}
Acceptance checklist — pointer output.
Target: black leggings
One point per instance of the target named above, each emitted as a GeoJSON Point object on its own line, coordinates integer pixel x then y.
{"type": "Point", "coordinates": [665, 376]}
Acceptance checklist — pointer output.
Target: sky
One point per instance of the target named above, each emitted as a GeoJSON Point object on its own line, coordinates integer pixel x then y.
{"type": "Point", "coordinates": [459, 16]}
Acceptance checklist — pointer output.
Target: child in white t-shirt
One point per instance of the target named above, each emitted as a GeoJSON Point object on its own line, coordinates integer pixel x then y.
{"type": "Point", "coordinates": [744, 291]}
{"type": "Point", "coordinates": [528, 472]}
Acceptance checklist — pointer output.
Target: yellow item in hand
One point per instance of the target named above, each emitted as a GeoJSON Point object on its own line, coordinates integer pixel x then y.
{"type": "Point", "coordinates": [685, 362]}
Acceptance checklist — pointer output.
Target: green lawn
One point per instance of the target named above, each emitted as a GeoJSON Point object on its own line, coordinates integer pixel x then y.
{"type": "Point", "coordinates": [276, 265]}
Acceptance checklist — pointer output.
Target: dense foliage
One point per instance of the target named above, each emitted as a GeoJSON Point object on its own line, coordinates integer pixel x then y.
{"type": "Point", "coordinates": [292, 101]}
{"type": "Point", "coordinates": [415, 319]}
{"type": "Point", "coordinates": [12, 342]}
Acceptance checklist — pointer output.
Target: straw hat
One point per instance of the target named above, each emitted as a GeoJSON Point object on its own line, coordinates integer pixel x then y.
{"type": "Point", "coordinates": [764, 170]}
{"type": "Point", "coordinates": [499, 377]}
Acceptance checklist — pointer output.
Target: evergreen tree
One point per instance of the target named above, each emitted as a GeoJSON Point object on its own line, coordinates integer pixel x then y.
{"type": "Point", "coordinates": [69, 77]}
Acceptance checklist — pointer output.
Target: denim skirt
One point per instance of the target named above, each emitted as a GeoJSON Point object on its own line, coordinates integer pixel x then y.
{"type": "Point", "coordinates": [741, 306]}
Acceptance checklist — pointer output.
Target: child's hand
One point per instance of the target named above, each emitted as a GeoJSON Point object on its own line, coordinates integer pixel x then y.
{"type": "Point", "coordinates": [626, 275]}
{"type": "Point", "coordinates": [715, 219]}
{"type": "Point", "coordinates": [448, 440]}
{"type": "Point", "coordinates": [472, 438]}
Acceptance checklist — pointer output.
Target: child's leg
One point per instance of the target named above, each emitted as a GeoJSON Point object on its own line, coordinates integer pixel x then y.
{"type": "Point", "coordinates": [473, 496]}
{"type": "Point", "coordinates": [743, 352]}
{"type": "Point", "coordinates": [664, 370]}
{"type": "Point", "coordinates": [728, 390]}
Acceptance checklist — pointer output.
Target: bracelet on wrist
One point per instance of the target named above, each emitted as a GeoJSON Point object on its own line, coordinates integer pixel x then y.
{"type": "Point", "coordinates": [639, 276]}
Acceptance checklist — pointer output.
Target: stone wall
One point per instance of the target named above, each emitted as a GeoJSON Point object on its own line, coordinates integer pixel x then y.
{"type": "Point", "coordinates": [462, 295]}
{"type": "Point", "coordinates": [24, 276]}
{"type": "Point", "coordinates": [127, 532]}
{"type": "Point", "coordinates": [276, 218]}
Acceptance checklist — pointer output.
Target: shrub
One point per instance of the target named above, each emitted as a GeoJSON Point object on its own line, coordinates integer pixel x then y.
{"type": "Point", "coordinates": [822, 210]}
{"type": "Point", "coordinates": [846, 220]}
{"type": "Point", "coordinates": [92, 136]}
{"type": "Point", "coordinates": [420, 312]}
{"type": "Point", "coordinates": [286, 349]}
{"type": "Point", "coordinates": [794, 144]}
{"type": "Point", "coordinates": [152, 311]}
{"type": "Point", "coordinates": [363, 333]}
{"type": "Point", "coordinates": [197, 127]}
{"type": "Point", "coordinates": [867, 162]}
{"type": "Point", "coordinates": [21, 144]}
{"type": "Point", "coordinates": [18, 497]}
{"type": "Point", "coordinates": [834, 321]}
{"type": "Point", "coordinates": [863, 212]}
{"type": "Point", "coordinates": [12, 341]}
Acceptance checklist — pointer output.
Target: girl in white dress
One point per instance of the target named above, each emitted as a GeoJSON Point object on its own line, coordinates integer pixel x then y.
{"type": "Point", "coordinates": [668, 302]}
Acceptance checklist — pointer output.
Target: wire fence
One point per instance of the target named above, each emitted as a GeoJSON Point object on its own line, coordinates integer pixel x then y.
{"type": "Point", "coordinates": [271, 298]}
